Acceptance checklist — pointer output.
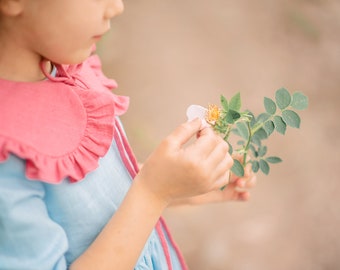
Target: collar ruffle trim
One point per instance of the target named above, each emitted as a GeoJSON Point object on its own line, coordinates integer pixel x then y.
{"type": "Point", "coordinates": [60, 126]}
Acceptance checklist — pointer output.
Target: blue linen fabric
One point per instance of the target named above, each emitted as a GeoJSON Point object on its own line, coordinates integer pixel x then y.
{"type": "Point", "coordinates": [47, 226]}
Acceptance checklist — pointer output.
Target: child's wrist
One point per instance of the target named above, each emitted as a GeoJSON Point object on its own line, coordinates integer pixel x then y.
{"type": "Point", "coordinates": [155, 198]}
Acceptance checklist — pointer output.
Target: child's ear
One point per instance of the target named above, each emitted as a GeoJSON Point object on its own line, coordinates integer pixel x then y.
{"type": "Point", "coordinates": [11, 7]}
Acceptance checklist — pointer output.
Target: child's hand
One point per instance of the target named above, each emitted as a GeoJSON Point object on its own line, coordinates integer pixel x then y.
{"type": "Point", "coordinates": [176, 171]}
{"type": "Point", "coordinates": [236, 190]}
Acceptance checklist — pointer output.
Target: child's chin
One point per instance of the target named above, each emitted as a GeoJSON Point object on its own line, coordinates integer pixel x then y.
{"type": "Point", "coordinates": [75, 58]}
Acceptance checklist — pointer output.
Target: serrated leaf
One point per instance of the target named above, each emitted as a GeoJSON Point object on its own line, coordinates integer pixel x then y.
{"type": "Point", "coordinates": [224, 103]}
{"type": "Point", "coordinates": [264, 166]}
{"type": "Point", "coordinates": [237, 168]}
{"type": "Point", "coordinates": [235, 102]}
{"type": "Point", "coordinates": [280, 125]}
{"type": "Point", "coordinates": [283, 98]}
{"type": "Point", "coordinates": [269, 127]}
{"type": "Point", "coordinates": [232, 116]}
{"type": "Point", "coordinates": [291, 118]}
{"type": "Point", "coordinates": [269, 105]}
{"type": "Point", "coordinates": [299, 101]}
{"type": "Point", "coordinates": [255, 166]}
{"type": "Point", "coordinates": [243, 130]}
{"type": "Point", "coordinates": [262, 151]}
{"type": "Point", "coordinates": [273, 160]}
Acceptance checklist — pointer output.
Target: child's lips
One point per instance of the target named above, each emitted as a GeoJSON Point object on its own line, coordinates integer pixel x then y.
{"type": "Point", "coordinates": [98, 37]}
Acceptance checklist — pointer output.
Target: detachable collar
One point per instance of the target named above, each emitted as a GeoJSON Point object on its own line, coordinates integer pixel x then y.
{"type": "Point", "coordinates": [60, 126]}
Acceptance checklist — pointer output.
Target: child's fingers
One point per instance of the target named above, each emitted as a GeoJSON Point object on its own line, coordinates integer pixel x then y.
{"type": "Point", "coordinates": [219, 149]}
{"type": "Point", "coordinates": [243, 196]}
{"type": "Point", "coordinates": [252, 182]}
{"type": "Point", "coordinates": [232, 193]}
{"type": "Point", "coordinates": [243, 184]}
{"type": "Point", "coordinates": [183, 133]}
{"type": "Point", "coordinates": [222, 179]}
{"type": "Point", "coordinates": [210, 145]}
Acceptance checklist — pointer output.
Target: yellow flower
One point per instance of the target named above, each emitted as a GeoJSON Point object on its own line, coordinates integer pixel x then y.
{"type": "Point", "coordinates": [213, 114]}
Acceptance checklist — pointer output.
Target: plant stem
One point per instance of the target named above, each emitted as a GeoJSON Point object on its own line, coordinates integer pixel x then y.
{"type": "Point", "coordinates": [252, 131]}
{"type": "Point", "coordinates": [256, 128]}
{"type": "Point", "coordinates": [246, 147]}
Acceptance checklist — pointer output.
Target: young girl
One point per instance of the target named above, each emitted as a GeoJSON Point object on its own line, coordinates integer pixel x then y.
{"type": "Point", "coordinates": [67, 198]}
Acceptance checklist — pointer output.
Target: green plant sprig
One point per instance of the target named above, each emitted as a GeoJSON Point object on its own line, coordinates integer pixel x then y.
{"type": "Point", "coordinates": [279, 114]}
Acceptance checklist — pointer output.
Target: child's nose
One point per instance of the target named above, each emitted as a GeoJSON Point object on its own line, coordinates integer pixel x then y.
{"type": "Point", "coordinates": [114, 8]}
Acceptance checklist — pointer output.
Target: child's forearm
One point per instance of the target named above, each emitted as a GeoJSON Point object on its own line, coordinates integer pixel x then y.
{"type": "Point", "coordinates": [121, 242]}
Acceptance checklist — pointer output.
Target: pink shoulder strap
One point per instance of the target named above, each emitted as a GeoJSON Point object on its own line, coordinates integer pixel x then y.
{"type": "Point", "coordinates": [162, 229]}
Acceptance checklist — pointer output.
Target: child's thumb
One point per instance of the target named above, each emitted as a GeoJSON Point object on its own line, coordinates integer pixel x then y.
{"type": "Point", "coordinates": [183, 133]}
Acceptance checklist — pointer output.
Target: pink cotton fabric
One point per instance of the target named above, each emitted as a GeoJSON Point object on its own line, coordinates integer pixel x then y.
{"type": "Point", "coordinates": [60, 126]}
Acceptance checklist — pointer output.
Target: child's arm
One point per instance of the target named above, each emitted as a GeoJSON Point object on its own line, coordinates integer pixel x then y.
{"type": "Point", "coordinates": [171, 172]}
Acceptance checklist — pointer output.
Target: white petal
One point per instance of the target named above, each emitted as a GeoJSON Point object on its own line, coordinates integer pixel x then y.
{"type": "Point", "coordinates": [196, 111]}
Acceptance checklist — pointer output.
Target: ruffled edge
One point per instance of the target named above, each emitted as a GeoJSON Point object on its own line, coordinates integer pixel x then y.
{"type": "Point", "coordinates": [100, 108]}
{"type": "Point", "coordinates": [96, 65]}
{"type": "Point", "coordinates": [95, 142]}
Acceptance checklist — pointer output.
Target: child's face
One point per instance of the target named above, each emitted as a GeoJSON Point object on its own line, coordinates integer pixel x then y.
{"type": "Point", "coordinates": [64, 31]}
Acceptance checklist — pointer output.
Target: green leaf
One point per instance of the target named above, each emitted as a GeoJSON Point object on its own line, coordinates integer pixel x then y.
{"type": "Point", "coordinates": [262, 151]}
{"type": "Point", "coordinates": [269, 105]}
{"type": "Point", "coordinates": [256, 140]}
{"type": "Point", "coordinates": [269, 127]}
{"type": "Point", "coordinates": [235, 102]}
{"type": "Point", "coordinates": [273, 160]}
{"type": "Point", "coordinates": [231, 150]}
{"type": "Point", "coordinates": [236, 132]}
{"type": "Point", "coordinates": [220, 129]}
{"type": "Point", "coordinates": [261, 134]}
{"type": "Point", "coordinates": [263, 117]}
{"type": "Point", "coordinates": [264, 166]}
{"type": "Point", "coordinates": [291, 118]}
{"type": "Point", "coordinates": [241, 142]}
{"type": "Point", "coordinates": [255, 166]}
{"type": "Point", "coordinates": [246, 116]}
{"type": "Point", "coordinates": [280, 125]}
{"type": "Point", "coordinates": [258, 136]}
{"type": "Point", "coordinates": [252, 119]}
{"type": "Point", "coordinates": [282, 98]}
{"type": "Point", "coordinates": [237, 168]}
{"type": "Point", "coordinates": [224, 103]}
{"type": "Point", "coordinates": [232, 116]}
{"type": "Point", "coordinates": [253, 150]}
{"type": "Point", "coordinates": [243, 130]}
{"type": "Point", "coordinates": [300, 101]}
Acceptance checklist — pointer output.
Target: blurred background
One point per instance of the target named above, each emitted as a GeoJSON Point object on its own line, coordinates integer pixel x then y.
{"type": "Point", "coordinates": [167, 55]}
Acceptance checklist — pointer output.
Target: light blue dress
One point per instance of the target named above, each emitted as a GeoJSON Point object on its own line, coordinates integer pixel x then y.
{"type": "Point", "coordinates": [47, 226]}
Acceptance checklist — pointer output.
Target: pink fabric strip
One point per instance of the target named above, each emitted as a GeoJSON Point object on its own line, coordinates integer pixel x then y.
{"type": "Point", "coordinates": [130, 163]}
{"type": "Point", "coordinates": [128, 160]}
{"type": "Point", "coordinates": [175, 246]}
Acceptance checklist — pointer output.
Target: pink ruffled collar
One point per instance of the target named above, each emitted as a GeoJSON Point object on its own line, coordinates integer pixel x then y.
{"type": "Point", "coordinates": [60, 126]}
